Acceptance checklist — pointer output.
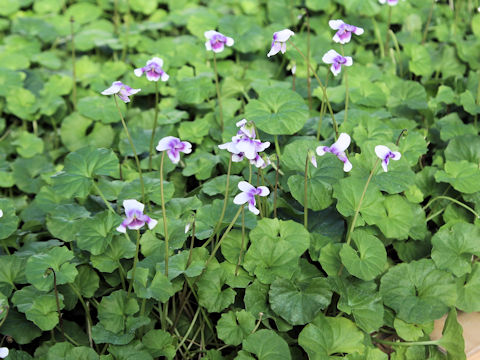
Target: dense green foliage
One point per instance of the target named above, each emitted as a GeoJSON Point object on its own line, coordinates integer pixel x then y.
{"type": "Point", "coordinates": [361, 275]}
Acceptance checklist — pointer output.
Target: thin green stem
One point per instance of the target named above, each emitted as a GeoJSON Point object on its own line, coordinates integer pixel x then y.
{"type": "Point", "coordinates": [74, 72]}
{"type": "Point", "coordinates": [387, 38]}
{"type": "Point", "coordinates": [189, 330]}
{"type": "Point", "coordinates": [359, 206]}
{"type": "Point", "coordinates": [305, 194]}
{"type": "Point", "coordinates": [258, 323]}
{"type": "Point", "coordinates": [164, 214]}
{"type": "Point", "coordinates": [379, 37]}
{"type": "Point", "coordinates": [477, 101]}
{"type": "Point", "coordinates": [427, 25]}
{"type": "Point", "coordinates": [275, 189]}
{"type": "Point", "coordinates": [454, 201]}
{"type": "Point", "coordinates": [277, 146]}
{"type": "Point", "coordinates": [217, 86]}
{"type": "Point", "coordinates": [324, 89]}
{"type": "Point", "coordinates": [345, 77]}
{"type": "Point", "coordinates": [242, 244]}
{"type": "Point", "coordinates": [97, 189]}
{"type": "Point", "coordinates": [133, 149]}
{"type": "Point", "coordinates": [309, 80]}
{"type": "Point", "coordinates": [431, 216]}
{"type": "Point", "coordinates": [217, 246]}
{"type": "Point", "coordinates": [412, 343]}
{"type": "Point", "coordinates": [323, 109]}
{"type": "Point", "coordinates": [397, 49]}
{"type": "Point", "coordinates": [135, 261]}
{"type": "Point", "coordinates": [225, 201]}
{"type": "Point", "coordinates": [57, 300]}
{"type": "Point", "coordinates": [127, 32]}
{"type": "Point", "coordinates": [155, 120]}
{"type": "Point", "coordinates": [7, 309]}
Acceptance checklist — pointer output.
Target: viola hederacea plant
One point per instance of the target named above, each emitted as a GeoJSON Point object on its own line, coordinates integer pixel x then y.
{"type": "Point", "coordinates": [175, 184]}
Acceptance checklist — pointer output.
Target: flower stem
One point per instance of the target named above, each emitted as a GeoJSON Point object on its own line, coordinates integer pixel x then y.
{"type": "Point", "coordinates": [305, 194]}
{"type": "Point", "coordinates": [217, 85]}
{"type": "Point", "coordinates": [243, 243]}
{"type": "Point", "coordinates": [60, 320]}
{"type": "Point", "coordinates": [345, 77]}
{"type": "Point", "coordinates": [412, 343]}
{"type": "Point", "coordinates": [74, 72]}
{"type": "Point", "coordinates": [152, 139]}
{"type": "Point", "coordinates": [357, 210]}
{"type": "Point", "coordinates": [164, 214]}
{"type": "Point", "coordinates": [323, 109]}
{"type": "Point", "coordinates": [225, 201]}
{"type": "Point", "coordinates": [324, 89]}
{"type": "Point", "coordinates": [275, 189]}
{"type": "Point", "coordinates": [309, 80]}
{"type": "Point", "coordinates": [97, 189]}
{"type": "Point", "coordinates": [430, 14]}
{"type": "Point", "coordinates": [454, 201]}
{"type": "Point", "coordinates": [217, 246]}
{"type": "Point", "coordinates": [133, 149]}
{"type": "Point", "coordinates": [7, 308]}
{"type": "Point", "coordinates": [135, 261]}
{"type": "Point", "coordinates": [277, 145]}
{"type": "Point", "coordinates": [387, 38]}
{"type": "Point", "coordinates": [379, 37]}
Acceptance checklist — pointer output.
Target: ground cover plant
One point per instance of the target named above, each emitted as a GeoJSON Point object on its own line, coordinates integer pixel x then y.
{"type": "Point", "coordinates": [238, 179]}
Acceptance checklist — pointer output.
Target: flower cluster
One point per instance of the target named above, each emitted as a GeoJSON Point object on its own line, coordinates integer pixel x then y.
{"type": "Point", "coordinates": [244, 145]}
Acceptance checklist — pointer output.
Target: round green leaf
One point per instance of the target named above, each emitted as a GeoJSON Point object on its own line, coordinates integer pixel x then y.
{"type": "Point", "coordinates": [9, 220]}
{"type": "Point", "coordinates": [234, 327]}
{"type": "Point", "coordinates": [278, 111]}
{"type": "Point", "coordinates": [267, 345]}
{"type": "Point", "coordinates": [96, 233]}
{"type": "Point", "coordinates": [370, 258]}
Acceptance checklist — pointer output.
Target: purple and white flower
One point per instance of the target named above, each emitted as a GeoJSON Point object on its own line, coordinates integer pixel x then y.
{"type": "Point", "coordinates": [174, 146]}
{"type": "Point", "coordinates": [123, 91]}
{"type": "Point", "coordinates": [244, 145]}
{"type": "Point", "coordinates": [344, 33]}
{"type": "Point", "coordinates": [279, 42]}
{"type": "Point", "coordinates": [312, 157]}
{"type": "Point", "coordinates": [135, 217]}
{"type": "Point", "coordinates": [338, 149]}
{"type": "Point", "coordinates": [216, 41]}
{"type": "Point", "coordinates": [3, 352]}
{"type": "Point", "coordinates": [153, 69]}
{"type": "Point", "coordinates": [389, 2]}
{"type": "Point", "coordinates": [385, 154]}
{"type": "Point", "coordinates": [337, 60]}
{"type": "Point", "coordinates": [248, 195]}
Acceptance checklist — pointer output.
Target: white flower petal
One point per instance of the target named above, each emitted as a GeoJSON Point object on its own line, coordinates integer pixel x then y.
{"type": "Point", "coordinates": [347, 166]}
{"type": "Point", "coordinates": [342, 142]}
{"type": "Point", "coordinates": [349, 61]}
{"type": "Point", "coordinates": [230, 41]}
{"type": "Point", "coordinates": [155, 60]}
{"type": "Point", "coordinates": [264, 191]}
{"type": "Point", "coordinates": [122, 228]}
{"type": "Point", "coordinates": [283, 35]}
{"type": "Point", "coordinates": [138, 72]}
{"type": "Point", "coordinates": [253, 209]}
{"type": "Point", "coordinates": [163, 144]}
{"type": "Point", "coordinates": [396, 155]}
{"type": "Point", "coordinates": [335, 24]}
{"type": "Point", "coordinates": [329, 57]}
{"type": "Point", "coordinates": [152, 223]}
{"type": "Point", "coordinates": [165, 76]}
{"type": "Point", "coordinates": [335, 71]}
{"type": "Point", "coordinates": [320, 151]}
{"type": "Point", "coordinates": [241, 123]}
{"type": "Point", "coordinates": [133, 204]}
{"type": "Point", "coordinates": [276, 47]}
{"type": "Point", "coordinates": [1, 213]}
{"type": "Point", "coordinates": [245, 186]}
{"type": "Point", "coordinates": [241, 198]}
{"type": "Point", "coordinates": [358, 31]}
{"type": "Point", "coordinates": [114, 89]}
{"type": "Point", "coordinates": [384, 166]}
{"type": "Point", "coordinates": [3, 352]}
{"type": "Point", "coordinates": [381, 151]}
{"type": "Point", "coordinates": [210, 33]}
{"type": "Point", "coordinates": [208, 46]}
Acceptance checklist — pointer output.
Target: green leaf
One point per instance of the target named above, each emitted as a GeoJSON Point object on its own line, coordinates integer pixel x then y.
{"type": "Point", "coordinates": [210, 289]}
{"type": "Point", "coordinates": [275, 248]}
{"type": "Point", "coordinates": [65, 350]}
{"type": "Point", "coordinates": [278, 111]}
{"type": "Point", "coordinates": [100, 108]}
{"type": "Point", "coordinates": [81, 167]}
{"type": "Point", "coordinates": [326, 336]}
{"type": "Point", "coordinates": [462, 175]}
{"type": "Point", "coordinates": [468, 289]}
{"type": "Point", "coordinates": [19, 328]}
{"type": "Point", "coordinates": [467, 100]}
{"type": "Point", "coordinates": [411, 332]}
{"type": "Point", "coordinates": [56, 258]}
{"type": "Point", "coordinates": [28, 145]}
{"type": "Point", "coordinates": [452, 339]}
{"type": "Point", "coordinates": [453, 248]}
{"type": "Point", "coordinates": [399, 217]}
{"type": "Point", "coordinates": [9, 220]}
{"type": "Point", "coordinates": [348, 192]}
{"type": "Point", "coordinates": [408, 93]}
{"type": "Point", "coordinates": [235, 326]}
{"type": "Point", "coordinates": [108, 261]}
{"type": "Point", "coordinates": [64, 221]}
{"type": "Point", "coordinates": [114, 309]}
{"type": "Point", "coordinates": [148, 285]}
{"type": "Point", "coordinates": [159, 343]}
{"type": "Point", "coordinates": [12, 271]}
{"type": "Point", "coordinates": [299, 301]}
{"type": "Point", "coordinates": [417, 291]}
{"type": "Point", "coordinates": [370, 258]}
{"type": "Point", "coordinates": [22, 103]}
{"type": "Point", "coordinates": [217, 185]}
{"type": "Point", "coordinates": [96, 233]}
{"type": "Point", "coordinates": [420, 62]}
{"type": "Point", "coordinates": [201, 165]}
{"type": "Point", "coordinates": [266, 344]}
{"type": "Point", "coordinates": [195, 90]}
{"type": "Point", "coordinates": [87, 281]}
{"type": "Point", "coordinates": [466, 147]}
